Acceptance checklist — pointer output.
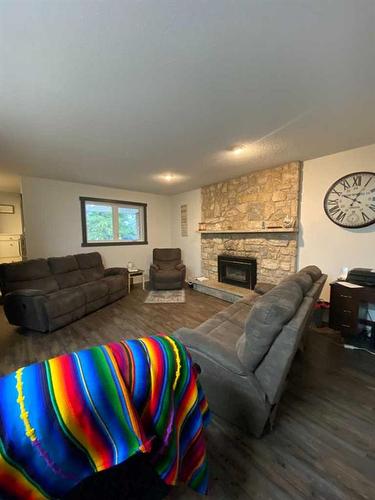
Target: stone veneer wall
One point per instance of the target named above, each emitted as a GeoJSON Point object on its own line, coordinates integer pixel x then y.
{"type": "Point", "coordinates": [253, 202]}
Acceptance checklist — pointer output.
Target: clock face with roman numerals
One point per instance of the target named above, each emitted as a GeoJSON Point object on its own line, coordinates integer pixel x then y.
{"type": "Point", "coordinates": [350, 201]}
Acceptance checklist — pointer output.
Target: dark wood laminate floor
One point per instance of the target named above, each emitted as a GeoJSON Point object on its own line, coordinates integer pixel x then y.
{"type": "Point", "coordinates": [323, 445]}
{"type": "Point", "coordinates": [129, 317]}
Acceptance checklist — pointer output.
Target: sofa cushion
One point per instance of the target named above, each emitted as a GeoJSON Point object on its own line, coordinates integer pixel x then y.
{"type": "Point", "coordinates": [168, 275]}
{"type": "Point", "coordinates": [222, 330]}
{"type": "Point", "coordinates": [208, 326]}
{"type": "Point", "coordinates": [167, 258]}
{"type": "Point", "coordinates": [47, 285]}
{"type": "Point", "coordinates": [239, 316]}
{"type": "Point", "coordinates": [59, 265]}
{"type": "Point", "coordinates": [91, 265]}
{"type": "Point", "coordinates": [24, 271]}
{"type": "Point", "coordinates": [33, 273]}
{"type": "Point", "coordinates": [66, 271]}
{"type": "Point", "coordinates": [219, 353]}
{"type": "Point", "coordinates": [64, 301]}
{"type": "Point", "coordinates": [265, 321]}
{"type": "Point", "coordinates": [114, 283]}
{"type": "Point", "coordinates": [94, 290]}
{"type": "Point", "coordinates": [304, 280]}
{"type": "Point", "coordinates": [313, 271]}
{"type": "Point", "coordinates": [273, 370]}
{"type": "Point", "coordinates": [236, 314]}
{"type": "Point", "coordinates": [89, 260]}
{"type": "Point", "coordinates": [69, 280]}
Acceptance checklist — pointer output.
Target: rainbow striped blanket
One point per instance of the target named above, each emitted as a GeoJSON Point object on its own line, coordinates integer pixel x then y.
{"type": "Point", "coordinates": [63, 419]}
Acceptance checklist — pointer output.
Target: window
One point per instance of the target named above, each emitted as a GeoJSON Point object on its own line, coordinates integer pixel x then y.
{"type": "Point", "coordinates": [112, 222]}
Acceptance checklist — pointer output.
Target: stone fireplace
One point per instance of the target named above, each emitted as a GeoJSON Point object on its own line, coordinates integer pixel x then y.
{"type": "Point", "coordinates": [246, 217]}
{"type": "Point", "coordinates": [276, 257]}
{"type": "Point", "coordinates": [236, 270]}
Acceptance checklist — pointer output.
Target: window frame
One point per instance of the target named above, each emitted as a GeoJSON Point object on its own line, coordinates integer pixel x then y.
{"type": "Point", "coordinates": [85, 243]}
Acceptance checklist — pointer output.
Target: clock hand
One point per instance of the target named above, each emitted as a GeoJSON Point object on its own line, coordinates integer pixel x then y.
{"type": "Point", "coordinates": [356, 196]}
{"type": "Point", "coordinates": [360, 192]}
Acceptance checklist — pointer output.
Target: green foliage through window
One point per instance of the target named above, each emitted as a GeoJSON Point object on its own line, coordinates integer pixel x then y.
{"type": "Point", "coordinates": [128, 224]}
{"type": "Point", "coordinates": [99, 221]}
{"type": "Point", "coordinates": [113, 221]}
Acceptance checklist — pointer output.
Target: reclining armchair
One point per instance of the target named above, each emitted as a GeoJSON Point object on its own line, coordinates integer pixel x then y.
{"type": "Point", "coordinates": [167, 272]}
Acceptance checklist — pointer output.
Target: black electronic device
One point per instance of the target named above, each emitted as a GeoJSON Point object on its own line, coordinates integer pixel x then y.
{"type": "Point", "coordinates": [361, 276]}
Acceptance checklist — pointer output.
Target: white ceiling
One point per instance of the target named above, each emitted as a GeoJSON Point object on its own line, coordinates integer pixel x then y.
{"type": "Point", "coordinates": [116, 92]}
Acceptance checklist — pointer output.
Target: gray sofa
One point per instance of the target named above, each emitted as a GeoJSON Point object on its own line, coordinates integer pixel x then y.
{"type": "Point", "coordinates": [246, 350]}
{"type": "Point", "coordinates": [46, 294]}
{"type": "Point", "coordinates": [167, 272]}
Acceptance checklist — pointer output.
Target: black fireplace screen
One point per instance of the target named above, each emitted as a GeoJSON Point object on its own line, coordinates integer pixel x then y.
{"type": "Point", "coordinates": [240, 271]}
{"type": "Point", "coordinates": [232, 272]}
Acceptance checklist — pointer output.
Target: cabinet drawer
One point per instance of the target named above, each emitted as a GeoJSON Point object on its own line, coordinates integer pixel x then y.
{"type": "Point", "coordinates": [346, 329]}
{"type": "Point", "coordinates": [9, 249]}
{"type": "Point", "coordinates": [7, 237]}
{"type": "Point", "coordinates": [349, 325]}
{"type": "Point", "coordinates": [343, 313]}
{"type": "Point", "coordinates": [345, 319]}
{"type": "Point", "coordinates": [344, 302]}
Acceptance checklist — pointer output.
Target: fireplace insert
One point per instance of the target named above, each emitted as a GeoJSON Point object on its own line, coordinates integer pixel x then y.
{"type": "Point", "coordinates": [240, 271]}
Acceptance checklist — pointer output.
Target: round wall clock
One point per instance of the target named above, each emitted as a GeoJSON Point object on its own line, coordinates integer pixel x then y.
{"type": "Point", "coordinates": [350, 201]}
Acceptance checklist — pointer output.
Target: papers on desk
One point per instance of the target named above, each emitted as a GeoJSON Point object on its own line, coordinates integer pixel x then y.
{"type": "Point", "coordinates": [349, 285]}
{"type": "Point", "coordinates": [201, 278]}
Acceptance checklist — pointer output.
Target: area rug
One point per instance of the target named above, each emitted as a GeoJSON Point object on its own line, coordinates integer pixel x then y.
{"type": "Point", "coordinates": [166, 297]}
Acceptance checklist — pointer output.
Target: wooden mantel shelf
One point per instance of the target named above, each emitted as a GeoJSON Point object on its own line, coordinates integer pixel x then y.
{"type": "Point", "coordinates": [248, 231]}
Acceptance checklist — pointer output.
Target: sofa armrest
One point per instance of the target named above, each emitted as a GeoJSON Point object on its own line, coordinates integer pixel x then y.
{"type": "Point", "coordinates": [214, 351]}
{"type": "Point", "coordinates": [263, 288]}
{"type": "Point", "coordinates": [110, 271]}
{"type": "Point", "coordinates": [154, 267]}
{"type": "Point", "coordinates": [180, 267]}
{"type": "Point", "coordinates": [27, 308]}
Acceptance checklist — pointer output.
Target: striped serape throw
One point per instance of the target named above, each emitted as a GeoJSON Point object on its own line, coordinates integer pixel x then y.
{"type": "Point", "coordinates": [63, 419]}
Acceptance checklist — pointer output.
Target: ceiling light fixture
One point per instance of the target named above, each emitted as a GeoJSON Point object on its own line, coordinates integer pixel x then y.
{"type": "Point", "coordinates": [169, 177]}
{"type": "Point", "coordinates": [238, 153]}
{"type": "Point", "coordinates": [237, 150]}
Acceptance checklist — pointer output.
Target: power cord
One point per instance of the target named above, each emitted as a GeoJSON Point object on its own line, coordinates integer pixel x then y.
{"type": "Point", "coordinates": [355, 348]}
{"type": "Point", "coordinates": [351, 347]}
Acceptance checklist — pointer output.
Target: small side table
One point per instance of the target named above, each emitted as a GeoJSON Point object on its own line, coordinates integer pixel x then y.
{"type": "Point", "coordinates": [132, 274]}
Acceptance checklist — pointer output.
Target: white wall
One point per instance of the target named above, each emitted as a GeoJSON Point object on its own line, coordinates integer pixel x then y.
{"type": "Point", "coordinates": [11, 223]}
{"type": "Point", "coordinates": [191, 244]}
{"type": "Point", "coordinates": [52, 219]}
{"type": "Point", "coordinates": [322, 242]}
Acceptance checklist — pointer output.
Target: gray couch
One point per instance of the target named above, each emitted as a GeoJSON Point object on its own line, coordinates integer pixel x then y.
{"type": "Point", "coordinates": [46, 294]}
{"type": "Point", "coordinates": [167, 272]}
{"type": "Point", "coordinates": [246, 350]}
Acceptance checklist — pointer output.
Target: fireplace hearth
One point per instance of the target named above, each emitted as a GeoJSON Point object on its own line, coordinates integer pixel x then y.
{"type": "Point", "coordinates": [239, 271]}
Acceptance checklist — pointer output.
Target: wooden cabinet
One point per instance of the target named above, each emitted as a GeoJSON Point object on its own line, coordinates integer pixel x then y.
{"type": "Point", "coordinates": [345, 305]}
{"type": "Point", "coordinates": [11, 248]}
